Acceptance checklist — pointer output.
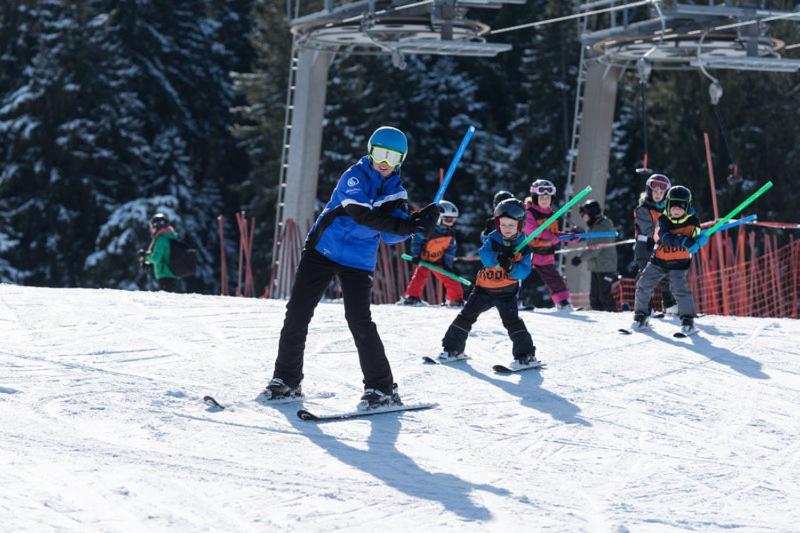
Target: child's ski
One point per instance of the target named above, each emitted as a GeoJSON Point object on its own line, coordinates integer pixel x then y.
{"type": "Point", "coordinates": [304, 414]}
{"type": "Point", "coordinates": [212, 402]}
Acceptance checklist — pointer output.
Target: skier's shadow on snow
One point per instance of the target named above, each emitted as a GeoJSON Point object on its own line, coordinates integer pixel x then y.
{"type": "Point", "coordinates": [740, 363]}
{"type": "Point", "coordinates": [530, 392]}
{"type": "Point", "coordinates": [383, 461]}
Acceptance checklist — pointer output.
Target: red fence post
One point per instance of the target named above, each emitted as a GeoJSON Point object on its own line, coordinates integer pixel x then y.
{"type": "Point", "coordinates": [223, 275]}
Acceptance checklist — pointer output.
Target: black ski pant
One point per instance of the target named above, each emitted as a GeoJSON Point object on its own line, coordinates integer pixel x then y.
{"type": "Point", "coordinates": [667, 299]}
{"type": "Point", "coordinates": [168, 284]}
{"type": "Point", "coordinates": [481, 300]}
{"type": "Point", "coordinates": [600, 297]}
{"type": "Point", "coordinates": [314, 274]}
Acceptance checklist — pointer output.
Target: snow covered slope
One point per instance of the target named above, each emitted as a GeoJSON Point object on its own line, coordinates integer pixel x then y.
{"type": "Point", "coordinates": [103, 427]}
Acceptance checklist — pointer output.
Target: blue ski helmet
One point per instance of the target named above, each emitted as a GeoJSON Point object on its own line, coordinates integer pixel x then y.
{"type": "Point", "coordinates": [390, 138]}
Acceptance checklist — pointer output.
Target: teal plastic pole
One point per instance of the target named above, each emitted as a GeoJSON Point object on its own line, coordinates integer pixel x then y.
{"type": "Point", "coordinates": [716, 227]}
{"type": "Point", "coordinates": [767, 186]}
{"type": "Point", "coordinates": [553, 217]}
{"type": "Point", "coordinates": [440, 270]}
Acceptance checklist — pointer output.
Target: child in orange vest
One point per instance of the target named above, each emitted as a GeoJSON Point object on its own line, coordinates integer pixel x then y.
{"type": "Point", "coordinates": [436, 246]}
{"type": "Point", "coordinates": [497, 285]}
{"type": "Point", "coordinates": [678, 230]}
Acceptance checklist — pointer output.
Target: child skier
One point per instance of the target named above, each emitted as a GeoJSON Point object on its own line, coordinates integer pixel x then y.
{"type": "Point", "coordinates": [158, 253]}
{"type": "Point", "coordinates": [547, 242]}
{"type": "Point", "coordinates": [677, 230]}
{"type": "Point", "coordinates": [645, 215]}
{"type": "Point", "coordinates": [497, 285]}
{"type": "Point", "coordinates": [602, 262]}
{"type": "Point", "coordinates": [436, 246]}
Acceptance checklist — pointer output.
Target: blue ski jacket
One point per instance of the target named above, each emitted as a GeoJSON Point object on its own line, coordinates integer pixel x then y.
{"type": "Point", "coordinates": [364, 208]}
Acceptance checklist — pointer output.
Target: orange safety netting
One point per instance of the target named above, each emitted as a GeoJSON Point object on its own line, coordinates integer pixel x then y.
{"type": "Point", "coordinates": [727, 277]}
{"type": "Point", "coordinates": [762, 285]}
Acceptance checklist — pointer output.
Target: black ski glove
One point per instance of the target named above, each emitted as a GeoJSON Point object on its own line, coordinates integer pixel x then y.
{"type": "Point", "coordinates": [425, 218]}
{"type": "Point", "coordinates": [415, 259]}
{"type": "Point", "coordinates": [576, 260]}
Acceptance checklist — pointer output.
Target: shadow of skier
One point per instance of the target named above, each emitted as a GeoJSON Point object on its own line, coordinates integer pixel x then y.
{"type": "Point", "coordinates": [529, 390]}
{"type": "Point", "coordinates": [740, 363]}
{"type": "Point", "coordinates": [383, 461]}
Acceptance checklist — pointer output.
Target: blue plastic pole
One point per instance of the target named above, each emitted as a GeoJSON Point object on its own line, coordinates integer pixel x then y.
{"type": "Point", "coordinates": [745, 220]}
{"type": "Point", "coordinates": [453, 164]}
{"type": "Point", "coordinates": [595, 235]}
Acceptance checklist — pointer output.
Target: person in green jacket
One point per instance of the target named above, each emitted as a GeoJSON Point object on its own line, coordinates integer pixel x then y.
{"type": "Point", "coordinates": [602, 262]}
{"type": "Point", "coordinates": [158, 252]}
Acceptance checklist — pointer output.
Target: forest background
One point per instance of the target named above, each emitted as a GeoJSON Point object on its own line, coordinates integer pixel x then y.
{"type": "Point", "coordinates": [111, 110]}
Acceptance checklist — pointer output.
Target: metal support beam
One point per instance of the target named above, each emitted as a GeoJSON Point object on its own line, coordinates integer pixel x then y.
{"type": "Point", "coordinates": [594, 149]}
{"type": "Point", "coordinates": [302, 174]}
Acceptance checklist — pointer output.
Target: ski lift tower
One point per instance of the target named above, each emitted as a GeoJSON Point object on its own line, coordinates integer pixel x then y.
{"type": "Point", "coordinates": [654, 35]}
{"type": "Point", "coordinates": [392, 28]}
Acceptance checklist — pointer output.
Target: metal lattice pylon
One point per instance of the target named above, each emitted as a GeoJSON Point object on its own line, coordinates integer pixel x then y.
{"type": "Point", "coordinates": [278, 286]}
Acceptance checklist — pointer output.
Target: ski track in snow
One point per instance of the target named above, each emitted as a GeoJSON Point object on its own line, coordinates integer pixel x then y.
{"type": "Point", "coordinates": [104, 427]}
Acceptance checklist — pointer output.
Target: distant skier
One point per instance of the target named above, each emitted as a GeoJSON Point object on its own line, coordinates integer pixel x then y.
{"type": "Point", "coordinates": [497, 285]}
{"type": "Point", "coordinates": [544, 246]}
{"type": "Point", "coordinates": [437, 246]}
{"type": "Point", "coordinates": [677, 230]}
{"type": "Point", "coordinates": [368, 204]}
{"type": "Point", "coordinates": [158, 253]}
{"type": "Point", "coordinates": [645, 216]}
{"type": "Point", "coordinates": [602, 262]}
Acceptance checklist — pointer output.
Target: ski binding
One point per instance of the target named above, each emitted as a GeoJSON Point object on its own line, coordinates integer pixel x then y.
{"type": "Point", "coordinates": [439, 360]}
{"type": "Point", "coordinates": [503, 369]}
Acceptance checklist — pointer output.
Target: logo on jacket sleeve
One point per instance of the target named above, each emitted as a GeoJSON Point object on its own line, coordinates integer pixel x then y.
{"type": "Point", "coordinates": [352, 182]}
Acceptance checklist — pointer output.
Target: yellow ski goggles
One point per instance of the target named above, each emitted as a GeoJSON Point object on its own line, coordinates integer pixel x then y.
{"type": "Point", "coordinates": [380, 154]}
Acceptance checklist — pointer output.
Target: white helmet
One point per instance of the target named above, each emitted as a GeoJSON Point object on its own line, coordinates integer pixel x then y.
{"type": "Point", "coordinates": [447, 210]}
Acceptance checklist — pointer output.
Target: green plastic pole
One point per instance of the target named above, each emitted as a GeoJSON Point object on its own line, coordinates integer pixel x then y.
{"type": "Point", "coordinates": [553, 217]}
{"type": "Point", "coordinates": [435, 268]}
{"type": "Point", "coordinates": [713, 229]}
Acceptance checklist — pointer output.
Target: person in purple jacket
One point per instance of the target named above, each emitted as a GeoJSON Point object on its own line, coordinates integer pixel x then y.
{"type": "Point", "coordinates": [368, 204]}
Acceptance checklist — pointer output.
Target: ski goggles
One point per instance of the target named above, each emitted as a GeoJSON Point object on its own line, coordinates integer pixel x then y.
{"type": "Point", "coordinates": [539, 190]}
{"type": "Point", "coordinates": [657, 185]}
{"type": "Point", "coordinates": [380, 154]}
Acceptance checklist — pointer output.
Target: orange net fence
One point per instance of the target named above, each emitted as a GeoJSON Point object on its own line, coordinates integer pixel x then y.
{"type": "Point", "coordinates": [750, 275]}
{"type": "Point", "coordinates": [738, 278]}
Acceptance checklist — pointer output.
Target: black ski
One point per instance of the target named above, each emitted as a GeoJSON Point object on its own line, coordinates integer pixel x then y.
{"type": "Point", "coordinates": [502, 369]}
{"type": "Point", "coordinates": [625, 331]}
{"type": "Point", "coordinates": [306, 415]}
{"type": "Point", "coordinates": [212, 402]}
{"type": "Point", "coordinates": [682, 335]}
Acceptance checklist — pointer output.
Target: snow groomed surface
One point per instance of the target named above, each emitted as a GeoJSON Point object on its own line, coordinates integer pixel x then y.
{"type": "Point", "coordinates": [104, 427]}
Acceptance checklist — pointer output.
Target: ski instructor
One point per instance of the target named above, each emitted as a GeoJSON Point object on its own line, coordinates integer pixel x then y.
{"type": "Point", "coordinates": [368, 204]}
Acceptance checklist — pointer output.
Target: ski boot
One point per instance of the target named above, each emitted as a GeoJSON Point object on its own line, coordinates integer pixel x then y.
{"type": "Point", "coordinates": [448, 356]}
{"type": "Point", "coordinates": [687, 326]}
{"type": "Point", "coordinates": [640, 321]}
{"type": "Point", "coordinates": [410, 300]}
{"type": "Point", "coordinates": [564, 306]}
{"type": "Point", "coordinates": [527, 360]}
{"type": "Point", "coordinates": [375, 399]}
{"type": "Point", "coordinates": [278, 390]}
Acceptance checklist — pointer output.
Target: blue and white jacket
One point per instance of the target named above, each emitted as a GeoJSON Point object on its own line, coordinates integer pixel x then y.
{"type": "Point", "coordinates": [363, 208]}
